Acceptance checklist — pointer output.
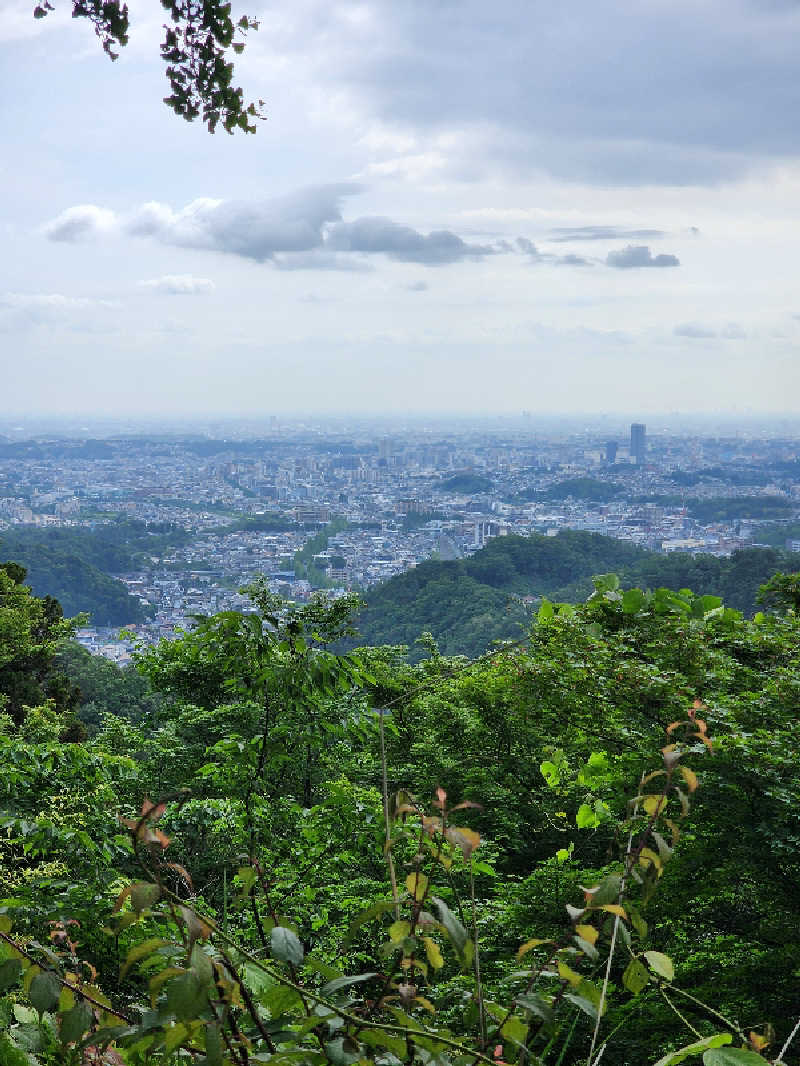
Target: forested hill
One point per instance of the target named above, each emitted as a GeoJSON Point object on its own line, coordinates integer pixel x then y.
{"type": "Point", "coordinates": [468, 603]}
{"type": "Point", "coordinates": [73, 566]}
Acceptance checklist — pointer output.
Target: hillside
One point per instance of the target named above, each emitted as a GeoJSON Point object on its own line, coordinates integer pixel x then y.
{"type": "Point", "coordinates": [469, 603]}
{"type": "Point", "coordinates": [71, 565]}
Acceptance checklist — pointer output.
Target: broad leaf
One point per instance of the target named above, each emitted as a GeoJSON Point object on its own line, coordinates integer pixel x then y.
{"type": "Point", "coordinates": [285, 946]}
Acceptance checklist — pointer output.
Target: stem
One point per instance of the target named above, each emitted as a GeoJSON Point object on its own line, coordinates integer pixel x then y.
{"type": "Point", "coordinates": [685, 1021]}
{"type": "Point", "coordinates": [478, 986]}
{"type": "Point", "coordinates": [720, 1017]}
{"type": "Point", "coordinates": [385, 782]}
{"type": "Point", "coordinates": [789, 1039]}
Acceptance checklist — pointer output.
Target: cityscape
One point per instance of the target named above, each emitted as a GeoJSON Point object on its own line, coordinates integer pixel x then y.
{"type": "Point", "coordinates": [314, 504]}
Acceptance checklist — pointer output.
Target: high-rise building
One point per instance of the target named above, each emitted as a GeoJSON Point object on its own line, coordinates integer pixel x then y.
{"type": "Point", "coordinates": [638, 442]}
{"type": "Point", "coordinates": [611, 452]}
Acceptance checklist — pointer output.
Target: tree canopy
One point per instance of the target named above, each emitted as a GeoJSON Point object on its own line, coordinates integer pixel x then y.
{"type": "Point", "coordinates": [197, 45]}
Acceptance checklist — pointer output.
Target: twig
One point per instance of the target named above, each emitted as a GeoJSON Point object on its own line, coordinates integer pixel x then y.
{"type": "Point", "coordinates": [388, 846]}
{"type": "Point", "coordinates": [789, 1039]}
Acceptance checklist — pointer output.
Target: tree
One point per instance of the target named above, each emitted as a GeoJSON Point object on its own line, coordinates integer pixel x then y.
{"type": "Point", "coordinates": [782, 592]}
{"type": "Point", "coordinates": [197, 43]}
{"type": "Point", "coordinates": [30, 632]}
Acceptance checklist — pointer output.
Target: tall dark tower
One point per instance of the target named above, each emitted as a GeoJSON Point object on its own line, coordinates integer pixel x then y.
{"type": "Point", "coordinates": [638, 442]}
{"type": "Point", "coordinates": [611, 452]}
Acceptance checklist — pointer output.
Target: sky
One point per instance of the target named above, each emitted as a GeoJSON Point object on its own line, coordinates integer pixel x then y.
{"type": "Point", "coordinates": [452, 206]}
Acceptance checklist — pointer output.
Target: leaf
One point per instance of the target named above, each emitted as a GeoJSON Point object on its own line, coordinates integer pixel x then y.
{"type": "Point", "coordinates": [285, 946]}
{"type": "Point", "coordinates": [147, 947]}
{"type": "Point", "coordinates": [433, 951]}
{"type": "Point", "coordinates": [373, 911]}
{"type": "Point", "coordinates": [674, 1057]}
{"type": "Point", "coordinates": [201, 966]}
{"type": "Point", "coordinates": [9, 973]}
{"type": "Point", "coordinates": [453, 927]}
{"type": "Point", "coordinates": [398, 931]}
{"type": "Point", "coordinates": [660, 964]}
{"type": "Point", "coordinates": [380, 1039]}
{"type": "Point", "coordinates": [586, 817]}
{"type": "Point", "coordinates": [606, 892]}
{"type": "Point", "coordinates": [690, 777]}
{"type": "Point", "coordinates": [343, 982]}
{"type": "Point", "coordinates": [587, 932]}
{"type": "Point", "coordinates": [614, 908]}
{"type": "Point", "coordinates": [185, 997]}
{"type": "Point", "coordinates": [143, 894]}
{"type": "Point", "coordinates": [75, 1022]}
{"type": "Point", "coordinates": [515, 1030]}
{"type": "Point", "coordinates": [174, 1037]}
{"type": "Point", "coordinates": [653, 805]}
{"type": "Point", "coordinates": [44, 991]}
{"type": "Point", "coordinates": [732, 1056]}
{"type": "Point", "coordinates": [466, 839]}
{"type": "Point", "coordinates": [635, 978]}
{"type": "Point", "coordinates": [417, 885]}
{"type": "Point", "coordinates": [568, 974]}
{"type": "Point", "coordinates": [539, 1007]}
{"type": "Point", "coordinates": [214, 1045]}
{"type": "Point", "coordinates": [529, 945]}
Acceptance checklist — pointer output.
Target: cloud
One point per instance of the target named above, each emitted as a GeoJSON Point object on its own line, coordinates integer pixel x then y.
{"type": "Point", "coordinates": [178, 285]}
{"type": "Point", "coordinates": [573, 260]}
{"type": "Point", "coordinates": [256, 230]}
{"type": "Point", "coordinates": [417, 286]}
{"type": "Point", "coordinates": [80, 223]}
{"type": "Point", "coordinates": [603, 233]}
{"type": "Point", "coordinates": [674, 93]}
{"type": "Point", "coordinates": [303, 231]}
{"type": "Point", "coordinates": [22, 310]}
{"type": "Point", "coordinates": [731, 331]}
{"type": "Point", "coordinates": [381, 235]}
{"type": "Point", "coordinates": [694, 330]}
{"type": "Point", "coordinates": [639, 255]}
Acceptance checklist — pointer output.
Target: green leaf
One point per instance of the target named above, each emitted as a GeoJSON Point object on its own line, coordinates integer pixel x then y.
{"type": "Point", "coordinates": [632, 601]}
{"type": "Point", "coordinates": [453, 927]}
{"type": "Point", "coordinates": [586, 818]}
{"type": "Point", "coordinates": [539, 1007]}
{"type": "Point", "coordinates": [146, 948]}
{"type": "Point", "coordinates": [378, 1038]}
{"type": "Point", "coordinates": [635, 977]}
{"type": "Point", "coordinates": [343, 982]}
{"type": "Point", "coordinates": [9, 973]}
{"type": "Point", "coordinates": [185, 996]}
{"type": "Point", "coordinates": [285, 946]}
{"type": "Point", "coordinates": [607, 891]}
{"type": "Point", "coordinates": [75, 1022]}
{"type": "Point", "coordinates": [660, 964]}
{"type": "Point", "coordinates": [214, 1045]}
{"type": "Point", "coordinates": [545, 612]}
{"type": "Point", "coordinates": [515, 1030]}
{"type": "Point", "coordinates": [674, 1057]}
{"type": "Point", "coordinates": [373, 911]}
{"type": "Point", "coordinates": [732, 1056]}
{"type": "Point", "coordinates": [44, 991]}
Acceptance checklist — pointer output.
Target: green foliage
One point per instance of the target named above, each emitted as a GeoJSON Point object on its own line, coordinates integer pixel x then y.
{"type": "Point", "coordinates": [197, 43]}
{"type": "Point", "coordinates": [592, 887]}
{"type": "Point", "coordinates": [467, 484]}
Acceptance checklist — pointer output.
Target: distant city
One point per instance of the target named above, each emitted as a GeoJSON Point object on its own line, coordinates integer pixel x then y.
{"type": "Point", "coordinates": [345, 504]}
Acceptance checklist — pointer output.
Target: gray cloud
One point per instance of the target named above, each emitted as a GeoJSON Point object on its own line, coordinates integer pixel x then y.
{"type": "Point", "coordinates": [417, 286]}
{"type": "Point", "coordinates": [639, 255]}
{"type": "Point", "coordinates": [603, 233]}
{"type": "Point", "coordinates": [381, 235]}
{"type": "Point", "coordinates": [252, 230]}
{"type": "Point", "coordinates": [304, 231]}
{"type": "Point", "coordinates": [178, 285]}
{"type": "Point", "coordinates": [668, 94]}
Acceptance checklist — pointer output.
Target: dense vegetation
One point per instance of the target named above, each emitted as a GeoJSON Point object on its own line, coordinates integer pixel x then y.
{"type": "Point", "coordinates": [468, 603]}
{"type": "Point", "coordinates": [73, 565]}
{"type": "Point", "coordinates": [254, 912]}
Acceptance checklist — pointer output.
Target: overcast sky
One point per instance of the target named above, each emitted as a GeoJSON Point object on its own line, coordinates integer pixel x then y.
{"type": "Point", "coordinates": [453, 206]}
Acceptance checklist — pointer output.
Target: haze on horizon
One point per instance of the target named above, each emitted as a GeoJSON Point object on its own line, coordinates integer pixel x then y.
{"type": "Point", "coordinates": [451, 208]}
